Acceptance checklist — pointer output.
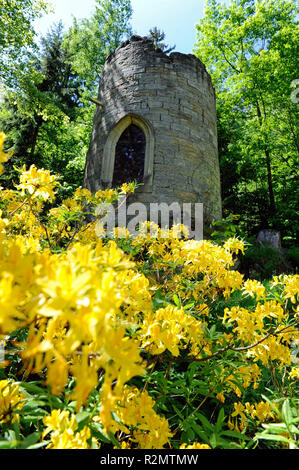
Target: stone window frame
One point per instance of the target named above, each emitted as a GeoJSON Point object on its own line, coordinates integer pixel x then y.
{"type": "Point", "coordinates": [110, 146]}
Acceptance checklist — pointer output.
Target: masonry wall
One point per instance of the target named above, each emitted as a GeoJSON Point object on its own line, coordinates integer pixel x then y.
{"type": "Point", "coordinates": [175, 95]}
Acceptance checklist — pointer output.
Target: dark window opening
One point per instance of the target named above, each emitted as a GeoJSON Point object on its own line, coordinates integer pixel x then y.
{"type": "Point", "coordinates": [129, 156]}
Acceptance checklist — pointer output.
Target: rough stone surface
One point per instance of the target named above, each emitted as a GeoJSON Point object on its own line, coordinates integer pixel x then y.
{"type": "Point", "coordinates": [175, 95]}
{"type": "Point", "coordinates": [269, 236]}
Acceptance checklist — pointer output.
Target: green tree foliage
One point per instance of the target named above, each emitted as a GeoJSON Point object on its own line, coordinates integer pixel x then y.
{"type": "Point", "coordinates": [41, 116]}
{"type": "Point", "coordinates": [16, 31]}
{"type": "Point", "coordinates": [249, 47]}
{"type": "Point", "coordinates": [91, 40]}
{"type": "Point", "coordinates": [158, 38]}
{"type": "Point", "coordinates": [47, 115]}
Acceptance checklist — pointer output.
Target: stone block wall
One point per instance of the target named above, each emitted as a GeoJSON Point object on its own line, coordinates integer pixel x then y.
{"type": "Point", "coordinates": [175, 98]}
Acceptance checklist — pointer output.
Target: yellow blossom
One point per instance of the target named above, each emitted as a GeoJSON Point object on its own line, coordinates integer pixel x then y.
{"type": "Point", "coordinates": [253, 287]}
{"type": "Point", "coordinates": [195, 445]}
{"type": "Point", "coordinates": [58, 421]}
{"type": "Point", "coordinates": [38, 183]}
{"type": "Point", "coordinates": [4, 156]}
{"type": "Point", "coordinates": [220, 397]}
{"type": "Point", "coordinates": [11, 401]}
{"type": "Point", "coordinates": [263, 411]}
{"type": "Point", "coordinates": [127, 188]}
{"type": "Point", "coordinates": [63, 429]}
{"type": "Point", "coordinates": [135, 410]}
{"type": "Point", "coordinates": [294, 373]}
{"type": "Point", "coordinates": [234, 245]}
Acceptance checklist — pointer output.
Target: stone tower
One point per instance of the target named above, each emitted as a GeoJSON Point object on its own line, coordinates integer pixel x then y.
{"type": "Point", "coordinates": [167, 103]}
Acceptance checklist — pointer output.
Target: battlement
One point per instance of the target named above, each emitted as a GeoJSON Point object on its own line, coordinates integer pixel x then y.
{"type": "Point", "coordinates": [142, 46]}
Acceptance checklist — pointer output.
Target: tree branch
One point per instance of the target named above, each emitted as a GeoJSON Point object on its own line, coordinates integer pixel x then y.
{"type": "Point", "coordinates": [227, 348]}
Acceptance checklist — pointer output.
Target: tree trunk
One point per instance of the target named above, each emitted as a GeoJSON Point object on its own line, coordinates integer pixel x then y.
{"type": "Point", "coordinates": [270, 183]}
{"type": "Point", "coordinates": [268, 166]}
{"type": "Point", "coordinates": [34, 141]}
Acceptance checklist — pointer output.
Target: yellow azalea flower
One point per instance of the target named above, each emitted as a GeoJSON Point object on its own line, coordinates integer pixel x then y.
{"type": "Point", "coordinates": [195, 445]}
{"type": "Point", "coordinates": [69, 440]}
{"type": "Point", "coordinates": [64, 434]}
{"type": "Point", "coordinates": [121, 232]}
{"type": "Point", "coordinates": [38, 183]}
{"type": "Point", "coordinates": [234, 245]}
{"type": "Point", "coordinates": [170, 328]}
{"type": "Point", "coordinates": [86, 378]}
{"type": "Point", "coordinates": [291, 288]}
{"type": "Point", "coordinates": [92, 313]}
{"type": "Point", "coordinates": [4, 156]}
{"type": "Point", "coordinates": [239, 408]}
{"type": "Point", "coordinates": [82, 193]}
{"type": "Point", "coordinates": [239, 412]}
{"type": "Point", "coordinates": [124, 445]}
{"type": "Point", "coordinates": [294, 373]}
{"type": "Point", "coordinates": [11, 401]}
{"type": "Point", "coordinates": [57, 375]}
{"type": "Point", "coordinates": [263, 411]}
{"type": "Point", "coordinates": [250, 409]}
{"type": "Point", "coordinates": [253, 287]}
{"type": "Point", "coordinates": [220, 397]}
{"type": "Point", "coordinates": [135, 410]}
{"type": "Point", "coordinates": [127, 188]}
{"type": "Point", "coordinates": [59, 421]}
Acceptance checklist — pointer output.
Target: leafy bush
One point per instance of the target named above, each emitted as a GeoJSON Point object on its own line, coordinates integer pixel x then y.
{"type": "Point", "coordinates": [145, 342]}
{"type": "Point", "coordinates": [293, 256]}
{"type": "Point", "coordinates": [263, 261]}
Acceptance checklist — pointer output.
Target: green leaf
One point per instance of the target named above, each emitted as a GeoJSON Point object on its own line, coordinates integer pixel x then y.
{"type": "Point", "coordinates": [190, 305]}
{"type": "Point", "coordinates": [33, 405]}
{"type": "Point", "coordinates": [31, 419]}
{"type": "Point", "coordinates": [286, 412]}
{"type": "Point", "coordinates": [271, 437]}
{"type": "Point", "coordinates": [220, 421]}
{"type": "Point", "coordinates": [206, 424]}
{"type": "Point", "coordinates": [235, 434]}
{"type": "Point", "coordinates": [204, 436]}
{"type": "Point", "coordinates": [32, 411]}
{"type": "Point", "coordinates": [30, 440]}
{"type": "Point", "coordinates": [8, 444]}
{"type": "Point", "coordinates": [31, 387]}
{"type": "Point", "coordinates": [176, 300]}
{"type": "Point", "coordinates": [276, 428]}
{"type": "Point", "coordinates": [188, 433]}
{"type": "Point", "coordinates": [213, 440]}
{"type": "Point", "coordinates": [39, 445]}
{"type": "Point", "coordinates": [16, 428]}
{"type": "Point", "coordinates": [97, 431]}
{"type": "Point", "coordinates": [114, 441]}
{"type": "Point", "coordinates": [82, 416]}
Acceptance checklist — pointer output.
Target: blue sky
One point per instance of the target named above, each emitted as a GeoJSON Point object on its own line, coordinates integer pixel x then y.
{"type": "Point", "coordinates": [177, 18]}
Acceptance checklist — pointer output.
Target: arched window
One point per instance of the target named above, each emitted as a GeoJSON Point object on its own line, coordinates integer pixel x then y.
{"type": "Point", "coordinates": [129, 153]}
{"type": "Point", "coordinates": [129, 156]}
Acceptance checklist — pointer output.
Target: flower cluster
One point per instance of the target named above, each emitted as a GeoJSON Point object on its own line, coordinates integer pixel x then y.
{"type": "Point", "coordinates": [98, 315]}
{"type": "Point", "coordinates": [64, 433]}
{"type": "Point", "coordinates": [171, 329]}
{"type": "Point", "coordinates": [195, 445]}
{"type": "Point", "coordinates": [260, 412]}
{"type": "Point", "coordinates": [11, 401]}
{"type": "Point", "coordinates": [136, 417]}
{"type": "Point", "coordinates": [38, 183]}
